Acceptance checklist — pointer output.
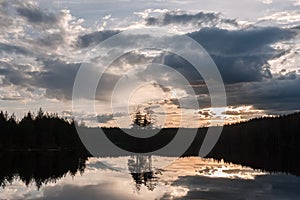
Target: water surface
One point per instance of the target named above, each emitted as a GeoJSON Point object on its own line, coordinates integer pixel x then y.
{"type": "Point", "coordinates": [141, 177]}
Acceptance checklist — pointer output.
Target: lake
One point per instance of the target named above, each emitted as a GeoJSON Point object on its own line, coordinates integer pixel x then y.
{"type": "Point", "coordinates": [138, 177]}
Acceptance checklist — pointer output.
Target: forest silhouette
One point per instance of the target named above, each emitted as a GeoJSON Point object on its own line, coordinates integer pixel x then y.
{"type": "Point", "coordinates": [45, 147]}
{"type": "Point", "coordinates": [42, 131]}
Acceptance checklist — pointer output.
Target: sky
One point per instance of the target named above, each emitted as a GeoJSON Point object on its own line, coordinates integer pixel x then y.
{"type": "Point", "coordinates": [255, 46]}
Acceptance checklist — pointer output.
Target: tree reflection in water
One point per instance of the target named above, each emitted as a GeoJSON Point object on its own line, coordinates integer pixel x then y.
{"type": "Point", "coordinates": [140, 167]}
{"type": "Point", "coordinates": [44, 167]}
{"type": "Point", "coordinates": [40, 167]}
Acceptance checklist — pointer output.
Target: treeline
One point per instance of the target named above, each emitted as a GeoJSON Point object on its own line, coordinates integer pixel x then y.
{"type": "Point", "coordinates": [42, 131]}
{"type": "Point", "coordinates": [271, 143]}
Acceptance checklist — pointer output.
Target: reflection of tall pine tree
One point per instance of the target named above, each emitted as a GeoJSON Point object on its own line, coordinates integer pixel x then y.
{"type": "Point", "coordinates": [142, 173]}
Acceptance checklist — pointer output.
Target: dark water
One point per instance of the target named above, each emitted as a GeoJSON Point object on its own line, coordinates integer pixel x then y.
{"type": "Point", "coordinates": [65, 175]}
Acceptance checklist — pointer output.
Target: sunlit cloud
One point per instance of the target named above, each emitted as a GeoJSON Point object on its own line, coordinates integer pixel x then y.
{"type": "Point", "coordinates": [42, 49]}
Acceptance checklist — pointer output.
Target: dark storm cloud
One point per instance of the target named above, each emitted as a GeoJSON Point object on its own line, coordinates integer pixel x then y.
{"type": "Point", "coordinates": [58, 78]}
{"type": "Point", "coordinates": [242, 58]}
{"type": "Point", "coordinates": [10, 49]}
{"type": "Point", "coordinates": [35, 15]}
{"type": "Point", "coordinates": [182, 66]}
{"type": "Point", "coordinates": [199, 19]}
{"type": "Point", "coordinates": [240, 55]}
{"type": "Point", "coordinates": [106, 86]}
{"type": "Point", "coordinates": [51, 40]}
{"type": "Point", "coordinates": [253, 40]}
{"type": "Point", "coordinates": [94, 38]}
{"type": "Point", "coordinates": [13, 76]}
{"type": "Point", "coordinates": [105, 118]}
{"type": "Point", "coordinates": [273, 96]}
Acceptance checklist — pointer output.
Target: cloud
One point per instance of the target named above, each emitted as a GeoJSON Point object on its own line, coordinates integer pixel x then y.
{"type": "Point", "coordinates": [14, 96]}
{"type": "Point", "coordinates": [94, 38]}
{"type": "Point", "coordinates": [282, 18]}
{"type": "Point", "coordinates": [42, 50]}
{"type": "Point", "coordinates": [241, 113]}
{"type": "Point", "coordinates": [206, 113]}
{"type": "Point", "coordinates": [296, 2]}
{"type": "Point", "coordinates": [57, 78]}
{"type": "Point", "coordinates": [273, 96]}
{"type": "Point", "coordinates": [105, 190]}
{"type": "Point", "coordinates": [242, 55]}
{"type": "Point", "coordinates": [12, 76]}
{"type": "Point", "coordinates": [267, 1]}
{"type": "Point", "coordinates": [28, 28]}
{"type": "Point", "coordinates": [13, 49]}
{"type": "Point", "coordinates": [253, 40]}
{"type": "Point", "coordinates": [262, 187]}
{"type": "Point", "coordinates": [37, 49]}
{"type": "Point", "coordinates": [34, 15]}
{"type": "Point", "coordinates": [200, 19]}
{"type": "Point", "coordinates": [164, 89]}
{"type": "Point", "coordinates": [104, 118]}
{"type": "Point", "coordinates": [51, 40]}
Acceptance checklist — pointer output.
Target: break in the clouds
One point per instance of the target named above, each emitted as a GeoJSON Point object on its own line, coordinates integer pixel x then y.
{"type": "Point", "coordinates": [42, 47]}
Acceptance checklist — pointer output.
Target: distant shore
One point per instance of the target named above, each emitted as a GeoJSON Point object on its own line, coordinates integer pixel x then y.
{"type": "Point", "coordinates": [270, 143]}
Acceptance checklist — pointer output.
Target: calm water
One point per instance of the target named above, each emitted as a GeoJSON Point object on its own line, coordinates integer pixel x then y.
{"type": "Point", "coordinates": [135, 177]}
